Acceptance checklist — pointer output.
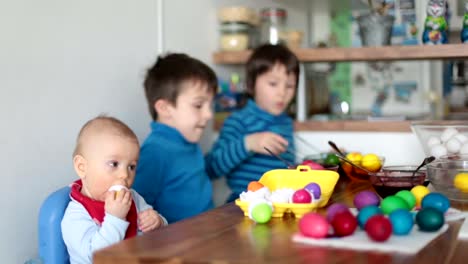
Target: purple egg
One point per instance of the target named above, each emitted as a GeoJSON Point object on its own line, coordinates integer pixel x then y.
{"type": "Point", "coordinates": [334, 209]}
{"type": "Point", "coordinates": [314, 189]}
{"type": "Point", "coordinates": [366, 198]}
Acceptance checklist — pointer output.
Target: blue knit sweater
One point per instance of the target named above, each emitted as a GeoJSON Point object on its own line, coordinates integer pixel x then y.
{"type": "Point", "coordinates": [229, 156]}
{"type": "Point", "coordinates": [171, 175]}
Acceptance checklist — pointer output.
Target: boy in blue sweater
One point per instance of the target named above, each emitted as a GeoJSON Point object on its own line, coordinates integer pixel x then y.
{"type": "Point", "coordinates": [171, 173]}
{"type": "Point", "coordinates": [239, 153]}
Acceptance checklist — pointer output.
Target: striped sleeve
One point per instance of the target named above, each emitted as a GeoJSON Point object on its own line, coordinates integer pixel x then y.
{"type": "Point", "coordinates": [229, 150]}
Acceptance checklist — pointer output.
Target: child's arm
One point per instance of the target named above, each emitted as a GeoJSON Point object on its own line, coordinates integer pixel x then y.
{"type": "Point", "coordinates": [83, 236]}
{"type": "Point", "coordinates": [229, 150]}
{"type": "Point", "coordinates": [148, 218]}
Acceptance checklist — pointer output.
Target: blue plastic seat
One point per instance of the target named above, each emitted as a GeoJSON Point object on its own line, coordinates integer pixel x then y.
{"type": "Point", "coordinates": [52, 249]}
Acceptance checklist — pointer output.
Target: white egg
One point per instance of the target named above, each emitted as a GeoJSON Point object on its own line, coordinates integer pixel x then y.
{"type": "Point", "coordinates": [448, 133]}
{"type": "Point", "coordinates": [462, 138]}
{"type": "Point", "coordinates": [464, 149]}
{"type": "Point", "coordinates": [433, 140]}
{"type": "Point", "coordinates": [438, 151]}
{"type": "Point", "coordinates": [453, 145]}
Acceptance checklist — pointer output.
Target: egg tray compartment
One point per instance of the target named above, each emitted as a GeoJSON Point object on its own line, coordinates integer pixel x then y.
{"type": "Point", "coordinates": [296, 179]}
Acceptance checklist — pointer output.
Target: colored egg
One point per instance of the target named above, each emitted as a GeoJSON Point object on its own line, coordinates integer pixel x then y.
{"type": "Point", "coordinates": [402, 222]}
{"type": "Point", "coordinates": [301, 196]}
{"type": "Point", "coordinates": [429, 219]}
{"type": "Point", "coordinates": [344, 223]}
{"type": "Point", "coordinates": [419, 191]}
{"type": "Point", "coordinates": [408, 197]}
{"type": "Point", "coordinates": [312, 165]}
{"type": "Point", "coordinates": [254, 186]}
{"type": "Point", "coordinates": [461, 182]}
{"type": "Point", "coordinates": [314, 189]}
{"type": "Point", "coordinates": [314, 225]}
{"type": "Point", "coordinates": [437, 201]}
{"type": "Point", "coordinates": [334, 209]}
{"type": "Point", "coordinates": [378, 228]}
{"type": "Point", "coordinates": [391, 203]}
{"type": "Point", "coordinates": [366, 198]}
{"type": "Point", "coordinates": [261, 212]}
{"type": "Point", "coordinates": [366, 213]}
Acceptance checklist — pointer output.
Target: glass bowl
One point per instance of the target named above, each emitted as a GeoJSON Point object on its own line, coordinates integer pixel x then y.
{"type": "Point", "coordinates": [321, 158]}
{"type": "Point", "coordinates": [357, 174]}
{"type": "Point", "coordinates": [393, 179]}
{"type": "Point", "coordinates": [442, 134]}
{"type": "Point", "coordinates": [442, 174]}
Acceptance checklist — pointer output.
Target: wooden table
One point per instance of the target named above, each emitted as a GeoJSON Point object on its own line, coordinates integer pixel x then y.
{"type": "Point", "coordinates": [224, 235]}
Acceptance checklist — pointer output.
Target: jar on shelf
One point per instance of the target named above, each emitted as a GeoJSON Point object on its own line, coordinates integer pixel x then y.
{"type": "Point", "coordinates": [234, 36]}
{"type": "Point", "coordinates": [273, 25]}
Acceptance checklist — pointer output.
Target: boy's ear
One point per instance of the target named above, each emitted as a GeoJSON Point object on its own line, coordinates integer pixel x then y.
{"type": "Point", "coordinates": [79, 164]}
{"type": "Point", "coordinates": [162, 107]}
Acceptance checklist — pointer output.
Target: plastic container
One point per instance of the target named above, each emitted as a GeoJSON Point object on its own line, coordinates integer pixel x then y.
{"type": "Point", "coordinates": [234, 36]}
{"type": "Point", "coordinates": [296, 179]}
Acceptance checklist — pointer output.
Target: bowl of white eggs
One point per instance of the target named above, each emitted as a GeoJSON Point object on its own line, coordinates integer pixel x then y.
{"type": "Point", "coordinates": [442, 138]}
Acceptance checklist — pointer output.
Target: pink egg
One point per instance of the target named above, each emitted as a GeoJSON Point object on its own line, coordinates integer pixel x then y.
{"type": "Point", "coordinates": [312, 165]}
{"type": "Point", "coordinates": [334, 209]}
{"type": "Point", "coordinates": [301, 196]}
{"type": "Point", "coordinates": [313, 225]}
{"type": "Point", "coordinates": [366, 198]}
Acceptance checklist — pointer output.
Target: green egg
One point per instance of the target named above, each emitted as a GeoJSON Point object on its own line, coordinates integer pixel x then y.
{"type": "Point", "coordinates": [408, 197]}
{"type": "Point", "coordinates": [429, 219]}
{"type": "Point", "coordinates": [391, 203]}
{"type": "Point", "coordinates": [261, 213]}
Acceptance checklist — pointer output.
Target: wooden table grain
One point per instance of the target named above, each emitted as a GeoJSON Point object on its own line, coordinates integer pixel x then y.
{"type": "Point", "coordinates": [224, 235]}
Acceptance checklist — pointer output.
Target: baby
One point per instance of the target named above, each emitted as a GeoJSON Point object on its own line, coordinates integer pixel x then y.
{"type": "Point", "coordinates": [105, 159]}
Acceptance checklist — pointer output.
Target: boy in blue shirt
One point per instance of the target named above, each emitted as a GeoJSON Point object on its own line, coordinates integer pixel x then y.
{"type": "Point", "coordinates": [239, 153]}
{"type": "Point", "coordinates": [171, 172]}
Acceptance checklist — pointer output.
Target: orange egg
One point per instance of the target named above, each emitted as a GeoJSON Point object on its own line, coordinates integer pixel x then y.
{"type": "Point", "coordinates": [254, 186]}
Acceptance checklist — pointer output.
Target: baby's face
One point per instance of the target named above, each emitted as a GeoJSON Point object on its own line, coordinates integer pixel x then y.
{"type": "Point", "coordinates": [192, 111]}
{"type": "Point", "coordinates": [111, 159]}
{"type": "Point", "coordinates": [275, 89]}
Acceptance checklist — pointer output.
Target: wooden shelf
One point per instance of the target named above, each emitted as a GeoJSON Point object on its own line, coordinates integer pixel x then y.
{"type": "Point", "coordinates": [345, 126]}
{"type": "Point", "coordinates": [383, 53]}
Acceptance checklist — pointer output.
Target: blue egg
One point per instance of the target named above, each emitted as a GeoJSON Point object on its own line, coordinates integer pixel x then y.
{"type": "Point", "coordinates": [367, 212]}
{"type": "Point", "coordinates": [402, 222]}
{"type": "Point", "coordinates": [437, 201]}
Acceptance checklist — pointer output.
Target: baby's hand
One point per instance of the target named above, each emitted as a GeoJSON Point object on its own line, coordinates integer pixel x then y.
{"type": "Point", "coordinates": [118, 203]}
{"type": "Point", "coordinates": [149, 220]}
{"type": "Point", "coordinates": [258, 141]}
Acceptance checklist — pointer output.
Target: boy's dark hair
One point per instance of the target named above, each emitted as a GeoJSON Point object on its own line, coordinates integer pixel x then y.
{"type": "Point", "coordinates": [164, 80]}
{"type": "Point", "coordinates": [264, 58]}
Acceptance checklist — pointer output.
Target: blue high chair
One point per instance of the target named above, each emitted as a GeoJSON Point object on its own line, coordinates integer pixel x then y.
{"type": "Point", "coordinates": [52, 249]}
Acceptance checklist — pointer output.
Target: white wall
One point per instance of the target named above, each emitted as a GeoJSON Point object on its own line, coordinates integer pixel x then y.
{"type": "Point", "coordinates": [61, 63]}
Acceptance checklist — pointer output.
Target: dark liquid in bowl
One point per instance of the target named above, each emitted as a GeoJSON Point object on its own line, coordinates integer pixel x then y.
{"type": "Point", "coordinates": [384, 191]}
{"type": "Point", "coordinates": [386, 186]}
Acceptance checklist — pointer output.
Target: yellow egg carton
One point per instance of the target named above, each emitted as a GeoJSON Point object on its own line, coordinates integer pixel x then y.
{"type": "Point", "coordinates": [296, 179]}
